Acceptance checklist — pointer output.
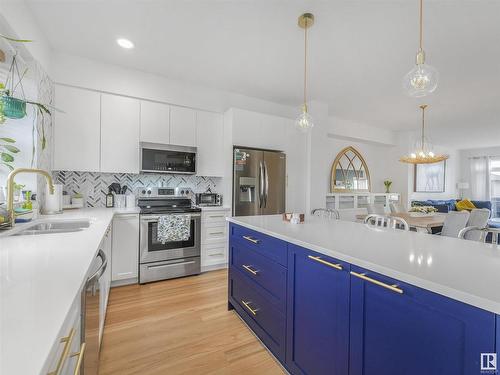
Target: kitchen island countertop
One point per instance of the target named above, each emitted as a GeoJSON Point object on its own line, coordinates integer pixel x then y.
{"type": "Point", "coordinates": [463, 270]}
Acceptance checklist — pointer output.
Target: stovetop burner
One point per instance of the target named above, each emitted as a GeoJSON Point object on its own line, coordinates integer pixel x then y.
{"type": "Point", "coordinates": [166, 206]}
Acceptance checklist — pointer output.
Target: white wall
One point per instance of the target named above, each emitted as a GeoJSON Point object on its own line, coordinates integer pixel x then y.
{"type": "Point", "coordinates": [91, 74]}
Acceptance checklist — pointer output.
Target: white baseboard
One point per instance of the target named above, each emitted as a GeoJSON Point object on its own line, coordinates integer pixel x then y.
{"type": "Point", "coordinates": [213, 267]}
{"type": "Point", "coordinates": [133, 280]}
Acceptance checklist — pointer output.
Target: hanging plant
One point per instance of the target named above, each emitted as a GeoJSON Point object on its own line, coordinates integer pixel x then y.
{"type": "Point", "coordinates": [7, 149]}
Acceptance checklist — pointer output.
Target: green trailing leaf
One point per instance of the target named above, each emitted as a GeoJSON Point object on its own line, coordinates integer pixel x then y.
{"type": "Point", "coordinates": [11, 148]}
{"type": "Point", "coordinates": [8, 158]}
{"type": "Point", "coordinates": [9, 140]}
{"type": "Point", "coordinates": [15, 40]}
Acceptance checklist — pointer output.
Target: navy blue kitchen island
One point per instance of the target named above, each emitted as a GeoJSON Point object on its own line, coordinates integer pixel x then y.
{"type": "Point", "coordinates": [320, 314]}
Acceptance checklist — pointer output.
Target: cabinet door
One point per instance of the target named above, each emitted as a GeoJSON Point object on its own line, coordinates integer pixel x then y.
{"type": "Point", "coordinates": [125, 249]}
{"type": "Point", "coordinates": [210, 144]}
{"type": "Point", "coordinates": [77, 131]}
{"type": "Point", "coordinates": [414, 332]}
{"type": "Point", "coordinates": [182, 126]}
{"type": "Point", "coordinates": [317, 313]}
{"type": "Point", "coordinates": [119, 134]}
{"type": "Point", "coordinates": [155, 122]}
{"type": "Point", "coordinates": [247, 128]}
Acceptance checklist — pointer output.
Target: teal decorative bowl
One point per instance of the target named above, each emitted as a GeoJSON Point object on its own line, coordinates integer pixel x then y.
{"type": "Point", "coordinates": [13, 108]}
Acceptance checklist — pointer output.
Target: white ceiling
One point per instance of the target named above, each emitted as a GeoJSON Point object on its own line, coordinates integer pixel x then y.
{"type": "Point", "coordinates": [359, 52]}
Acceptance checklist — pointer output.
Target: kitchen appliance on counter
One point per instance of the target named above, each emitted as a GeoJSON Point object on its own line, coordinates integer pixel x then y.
{"type": "Point", "coordinates": [90, 321]}
{"type": "Point", "coordinates": [208, 199]}
{"type": "Point", "coordinates": [158, 261]}
{"type": "Point", "coordinates": [259, 179]}
{"type": "Point", "coordinates": [160, 158]}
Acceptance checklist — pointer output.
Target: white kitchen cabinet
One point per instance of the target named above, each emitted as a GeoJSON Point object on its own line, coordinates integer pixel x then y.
{"type": "Point", "coordinates": [69, 334]}
{"type": "Point", "coordinates": [120, 119]}
{"type": "Point", "coordinates": [155, 122]}
{"type": "Point", "coordinates": [182, 126]}
{"type": "Point", "coordinates": [77, 130]}
{"type": "Point", "coordinates": [272, 132]}
{"type": "Point", "coordinates": [214, 238]}
{"type": "Point", "coordinates": [210, 144]}
{"type": "Point", "coordinates": [105, 280]}
{"type": "Point", "coordinates": [125, 248]}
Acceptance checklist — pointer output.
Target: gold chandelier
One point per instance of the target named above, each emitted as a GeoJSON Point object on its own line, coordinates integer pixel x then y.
{"type": "Point", "coordinates": [305, 122]}
{"type": "Point", "coordinates": [423, 153]}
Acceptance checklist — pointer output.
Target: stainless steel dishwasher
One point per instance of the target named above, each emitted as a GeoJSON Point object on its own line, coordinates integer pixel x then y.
{"type": "Point", "coordinates": [91, 316]}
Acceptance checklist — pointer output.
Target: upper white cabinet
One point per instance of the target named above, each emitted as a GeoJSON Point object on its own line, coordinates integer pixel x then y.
{"type": "Point", "coordinates": [182, 126]}
{"type": "Point", "coordinates": [77, 130]}
{"type": "Point", "coordinates": [210, 144]}
{"type": "Point", "coordinates": [155, 122]}
{"type": "Point", "coordinates": [119, 134]}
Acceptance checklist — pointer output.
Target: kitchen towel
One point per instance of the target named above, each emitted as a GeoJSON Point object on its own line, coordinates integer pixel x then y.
{"type": "Point", "coordinates": [173, 228]}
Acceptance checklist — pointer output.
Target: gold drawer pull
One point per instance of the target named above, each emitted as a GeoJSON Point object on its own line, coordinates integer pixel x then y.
{"type": "Point", "coordinates": [247, 305]}
{"type": "Point", "coordinates": [80, 358]}
{"type": "Point", "coordinates": [318, 259]}
{"type": "Point", "coordinates": [217, 233]}
{"type": "Point", "coordinates": [216, 216]}
{"type": "Point", "coordinates": [67, 345]}
{"type": "Point", "coordinates": [393, 287]}
{"type": "Point", "coordinates": [248, 238]}
{"type": "Point", "coordinates": [253, 272]}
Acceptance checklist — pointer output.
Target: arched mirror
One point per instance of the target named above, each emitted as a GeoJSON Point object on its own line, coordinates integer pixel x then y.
{"type": "Point", "coordinates": [349, 172]}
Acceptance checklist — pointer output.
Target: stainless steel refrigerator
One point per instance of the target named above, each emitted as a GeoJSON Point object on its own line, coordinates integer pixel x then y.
{"type": "Point", "coordinates": [258, 182]}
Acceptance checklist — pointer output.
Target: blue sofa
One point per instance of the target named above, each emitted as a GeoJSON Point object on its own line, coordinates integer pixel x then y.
{"type": "Point", "coordinates": [447, 205]}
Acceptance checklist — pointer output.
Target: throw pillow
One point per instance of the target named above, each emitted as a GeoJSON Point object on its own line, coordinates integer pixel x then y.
{"type": "Point", "coordinates": [465, 204]}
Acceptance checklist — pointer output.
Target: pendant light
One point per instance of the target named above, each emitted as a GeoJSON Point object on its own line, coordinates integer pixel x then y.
{"type": "Point", "coordinates": [422, 79]}
{"type": "Point", "coordinates": [304, 121]}
{"type": "Point", "coordinates": [423, 153]}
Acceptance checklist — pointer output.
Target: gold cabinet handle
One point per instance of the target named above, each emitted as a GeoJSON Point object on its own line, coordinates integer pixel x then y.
{"type": "Point", "coordinates": [80, 358]}
{"type": "Point", "coordinates": [67, 345]}
{"type": "Point", "coordinates": [216, 216]}
{"type": "Point", "coordinates": [329, 264]}
{"type": "Point", "coordinates": [248, 238]}
{"type": "Point", "coordinates": [253, 272]}
{"type": "Point", "coordinates": [217, 233]}
{"type": "Point", "coordinates": [393, 287]}
{"type": "Point", "coordinates": [247, 305]}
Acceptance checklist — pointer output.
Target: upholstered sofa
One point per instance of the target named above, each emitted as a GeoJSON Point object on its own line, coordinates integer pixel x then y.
{"type": "Point", "coordinates": [447, 205]}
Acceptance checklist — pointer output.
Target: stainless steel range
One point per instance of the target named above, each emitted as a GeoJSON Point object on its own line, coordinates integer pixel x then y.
{"type": "Point", "coordinates": [158, 261]}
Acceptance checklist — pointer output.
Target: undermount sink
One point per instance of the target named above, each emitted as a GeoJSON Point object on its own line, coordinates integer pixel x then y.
{"type": "Point", "coordinates": [54, 226]}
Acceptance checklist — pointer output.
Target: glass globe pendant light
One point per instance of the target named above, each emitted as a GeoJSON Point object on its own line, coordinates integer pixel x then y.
{"type": "Point", "coordinates": [423, 153]}
{"type": "Point", "coordinates": [304, 122]}
{"type": "Point", "coordinates": [422, 79]}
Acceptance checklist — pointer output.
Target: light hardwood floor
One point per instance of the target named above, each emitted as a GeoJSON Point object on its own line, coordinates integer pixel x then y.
{"type": "Point", "coordinates": [179, 326]}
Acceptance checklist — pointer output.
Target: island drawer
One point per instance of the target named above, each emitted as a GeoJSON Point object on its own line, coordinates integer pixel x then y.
{"type": "Point", "coordinates": [259, 313]}
{"type": "Point", "coordinates": [268, 246]}
{"type": "Point", "coordinates": [269, 275]}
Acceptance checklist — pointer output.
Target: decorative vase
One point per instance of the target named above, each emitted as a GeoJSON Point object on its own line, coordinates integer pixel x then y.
{"type": "Point", "coordinates": [13, 108]}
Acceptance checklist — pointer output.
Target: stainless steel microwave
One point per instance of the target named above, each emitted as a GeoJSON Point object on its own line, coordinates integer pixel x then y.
{"type": "Point", "coordinates": [160, 158]}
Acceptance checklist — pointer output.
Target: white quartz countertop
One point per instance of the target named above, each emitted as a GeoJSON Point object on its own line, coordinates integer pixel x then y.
{"type": "Point", "coordinates": [40, 277]}
{"type": "Point", "coordinates": [466, 271]}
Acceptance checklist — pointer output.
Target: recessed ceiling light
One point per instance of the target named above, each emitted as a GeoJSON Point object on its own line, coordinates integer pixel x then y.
{"type": "Point", "coordinates": [125, 43]}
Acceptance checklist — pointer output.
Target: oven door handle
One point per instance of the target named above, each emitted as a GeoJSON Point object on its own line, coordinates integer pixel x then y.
{"type": "Point", "coordinates": [155, 218]}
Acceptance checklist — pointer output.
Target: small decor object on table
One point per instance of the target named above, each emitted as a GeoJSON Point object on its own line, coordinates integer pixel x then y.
{"type": "Point", "coordinates": [418, 211]}
{"type": "Point", "coordinates": [293, 218]}
{"type": "Point", "coordinates": [387, 184]}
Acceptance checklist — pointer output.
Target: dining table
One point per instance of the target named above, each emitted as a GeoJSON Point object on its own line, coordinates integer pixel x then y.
{"type": "Point", "coordinates": [421, 223]}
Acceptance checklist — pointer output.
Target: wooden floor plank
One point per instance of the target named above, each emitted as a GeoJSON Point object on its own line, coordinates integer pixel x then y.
{"type": "Point", "coordinates": [179, 326]}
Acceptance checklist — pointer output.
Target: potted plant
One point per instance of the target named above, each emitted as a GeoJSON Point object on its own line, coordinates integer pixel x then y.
{"type": "Point", "coordinates": [387, 184]}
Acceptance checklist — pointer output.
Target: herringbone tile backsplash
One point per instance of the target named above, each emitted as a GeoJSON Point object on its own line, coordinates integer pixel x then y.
{"type": "Point", "coordinates": [94, 186]}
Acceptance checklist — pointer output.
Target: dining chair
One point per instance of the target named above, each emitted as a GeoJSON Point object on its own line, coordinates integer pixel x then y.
{"type": "Point", "coordinates": [386, 222]}
{"type": "Point", "coordinates": [326, 213]}
{"type": "Point", "coordinates": [479, 217]}
{"type": "Point", "coordinates": [480, 234]}
{"type": "Point", "coordinates": [376, 209]}
{"type": "Point", "coordinates": [454, 222]}
{"type": "Point", "coordinates": [396, 208]}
